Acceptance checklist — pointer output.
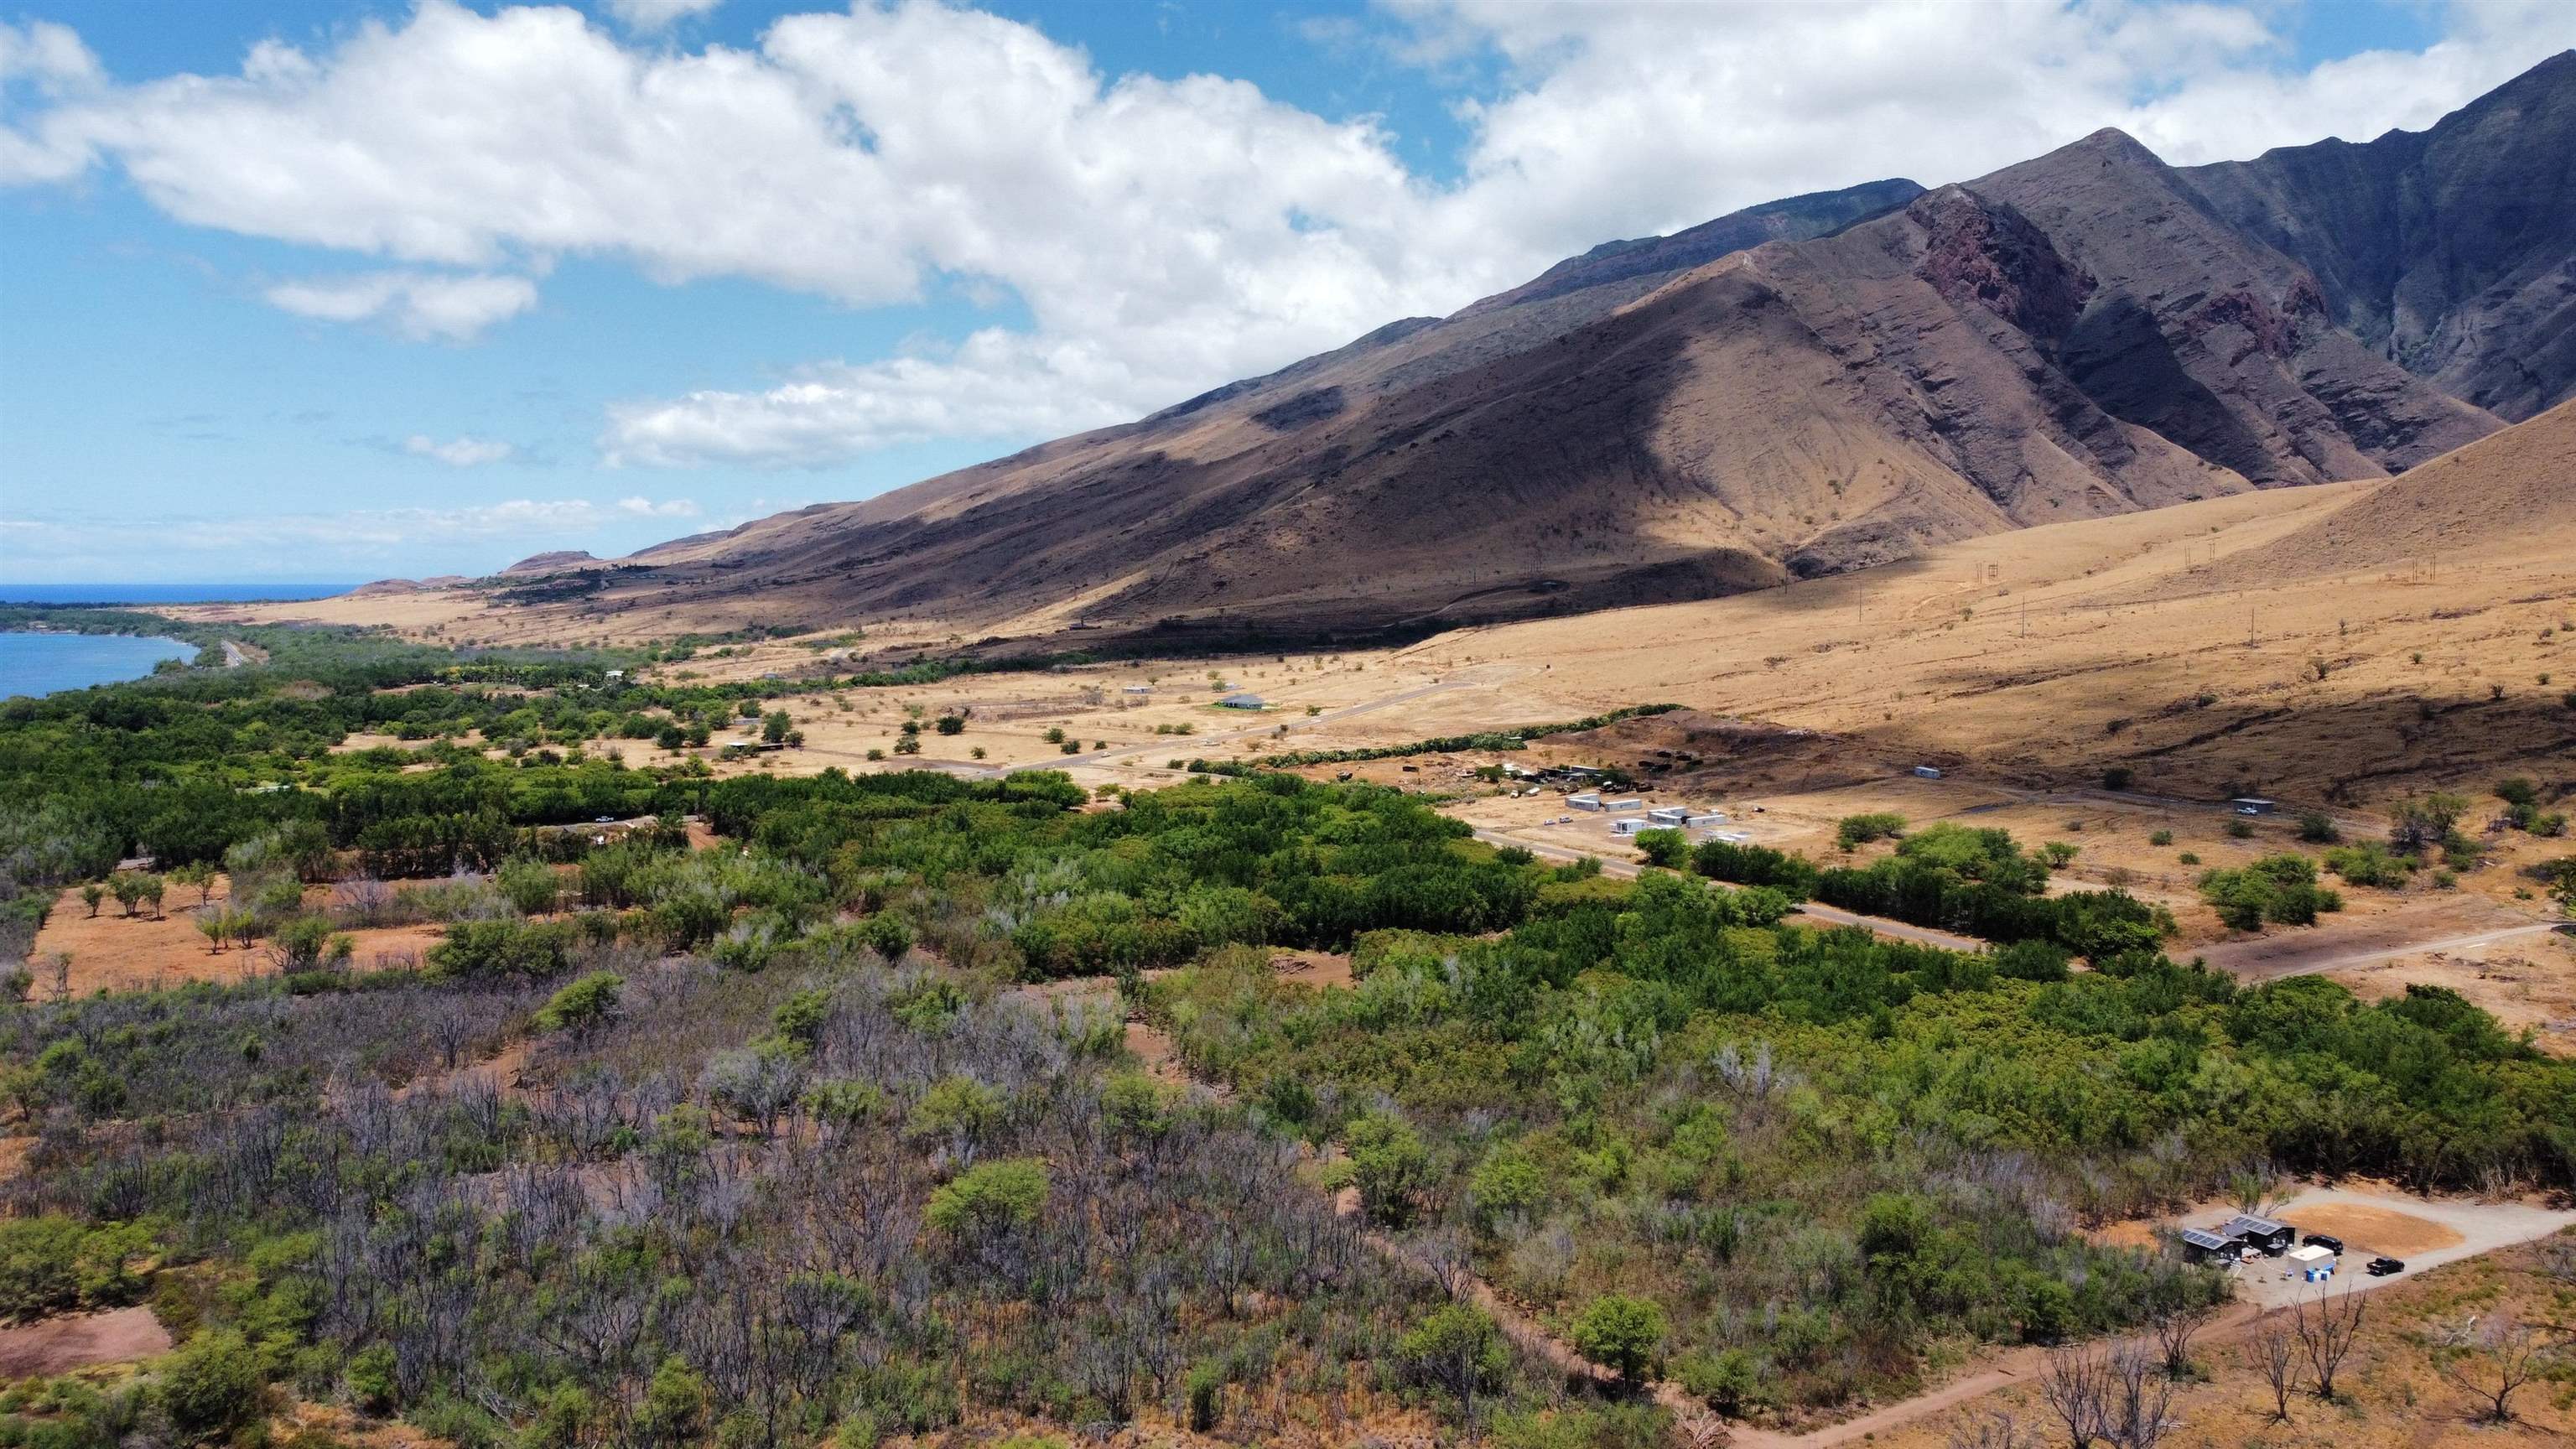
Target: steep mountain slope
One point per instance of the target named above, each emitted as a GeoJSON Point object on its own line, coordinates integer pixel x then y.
{"type": "Point", "coordinates": [2500, 497]}
{"type": "Point", "coordinates": [2452, 250]}
{"type": "Point", "coordinates": [2083, 334]}
{"type": "Point", "coordinates": [2213, 339]}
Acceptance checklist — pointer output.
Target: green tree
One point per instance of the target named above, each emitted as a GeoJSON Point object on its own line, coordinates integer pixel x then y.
{"type": "Point", "coordinates": [674, 1409]}
{"type": "Point", "coordinates": [2562, 885]}
{"type": "Point", "coordinates": [1667, 848]}
{"type": "Point", "coordinates": [886, 934]}
{"type": "Point", "coordinates": [1388, 1163]}
{"type": "Point", "coordinates": [213, 1386]}
{"type": "Point", "coordinates": [1854, 831]}
{"type": "Point", "coordinates": [1505, 1183]}
{"type": "Point", "coordinates": [1726, 1380]}
{"type": "Point", "coordinates": [775, 725]}
{"type": "Point", "coordinates": [199, 874]}
{"type": "Point", "coordinates": [952, 724]}
{"type": "Point", "coordinates": [2422, 821]}
{"type": "Point", "coordinates": [530, 885]}
{"type": "Point", "coordinates": [1007, 1192]}
{"type": "Point", "coordinates": [960, 1108]}
{"type": "Point", "coordinates": [799, 1019]}
{"type": "Point", "coordinates": [1620, 1333]}
{"type": "Point", "coordinates": [582, 1007]}
{"type": "Point", "coordinates": [1458, 1349]}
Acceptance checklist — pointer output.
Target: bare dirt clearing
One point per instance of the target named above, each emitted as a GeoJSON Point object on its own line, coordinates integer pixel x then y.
{"type": "Point", "coordinates": [2368, 1229]}
{"type": "Point", "coordinates": [112, 951]}
{"type": "Point", "coordinates": [72, 1341]}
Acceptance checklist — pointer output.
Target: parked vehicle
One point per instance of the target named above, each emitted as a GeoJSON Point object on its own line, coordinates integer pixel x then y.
{"type": "Point", "coordinates": [2326, 1241]}
{"type": "Point", "coordinates": [2385, 1267]}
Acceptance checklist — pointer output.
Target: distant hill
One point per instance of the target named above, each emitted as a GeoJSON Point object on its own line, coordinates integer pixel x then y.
{"type": "Point", "coordinates": [2500, 497]}
{"type": "Point", "coordinates": [1811, 386]}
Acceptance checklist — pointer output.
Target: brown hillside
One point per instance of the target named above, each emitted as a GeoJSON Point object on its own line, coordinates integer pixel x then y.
{"type": "Point", "coordinates": [2507, 496]}
{"type": "Point", "coordinates": [2082, 335]}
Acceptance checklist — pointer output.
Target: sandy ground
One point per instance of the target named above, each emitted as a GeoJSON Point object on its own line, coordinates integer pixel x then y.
{"type": "Point", "coordinates": [71, 1341]}
{"type": "Point", "coordinates": [2528, 982]}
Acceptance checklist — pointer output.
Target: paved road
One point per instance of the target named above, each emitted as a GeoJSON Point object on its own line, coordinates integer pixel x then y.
{"type": "Point", "coordinates": [1830, 915]}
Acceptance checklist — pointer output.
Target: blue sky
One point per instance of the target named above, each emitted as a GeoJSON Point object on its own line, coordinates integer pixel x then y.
{"type": "Point", "coordinates": [338, 291]}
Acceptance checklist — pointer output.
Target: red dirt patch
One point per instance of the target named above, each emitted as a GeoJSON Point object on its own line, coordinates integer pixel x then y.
{"type": "Point", "coordinates": [115, 952]}
{"type": "Point", "coordinates": [2130, 1234]}
{"type": "Point", "coordinates": [80, 1340]}
{"type": "Point", "coordinates": [1312, 968]}
{"type": "Point", "coordinates": [2374, 1229]}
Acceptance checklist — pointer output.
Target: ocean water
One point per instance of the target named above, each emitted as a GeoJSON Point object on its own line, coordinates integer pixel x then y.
{"type": "Point", "coordinates": [163, 593]}
{"type": "Point", "coordinates": [46, 663]}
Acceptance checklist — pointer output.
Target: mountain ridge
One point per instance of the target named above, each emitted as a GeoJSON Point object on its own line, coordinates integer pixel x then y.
{"type": "Point", "coordinates": [2091, 331]}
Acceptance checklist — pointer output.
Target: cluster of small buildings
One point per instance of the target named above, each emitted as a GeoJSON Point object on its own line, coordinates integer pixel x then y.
{"type": "Point", "coordinates": [2233, 1240]}
{"type": "Point", "coordinates": [2246, 1237]}
{"type": "Point", "coordinates": [1631, 816]}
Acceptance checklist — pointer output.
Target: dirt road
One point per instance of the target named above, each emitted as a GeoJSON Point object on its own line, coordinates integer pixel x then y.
{"type": "Point", "coordinates": [1268, 728]}
{"type": "Point", "coordinates": [2364, 942]}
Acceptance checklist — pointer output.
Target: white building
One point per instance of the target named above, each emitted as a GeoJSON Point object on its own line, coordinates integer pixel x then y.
{"type": "Point", "coordinates": [1585, 801]}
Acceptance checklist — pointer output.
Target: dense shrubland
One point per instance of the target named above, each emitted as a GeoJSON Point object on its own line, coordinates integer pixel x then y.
{"type": "Point", "coordinates": [769, 1154]}
{"type": "Point", "coordinates": [828, 1196]}
{"type": "Point", "coordinates": [1823, 1155]}
{"type": "Point", "coordinates": [1976, 882]}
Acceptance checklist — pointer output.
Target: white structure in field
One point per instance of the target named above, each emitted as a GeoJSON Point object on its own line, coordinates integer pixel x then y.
{"type": "Point", "coordinates": [1631, 803]}
{"type": "Point", "coordinates": [1631, 825]}
{"type": "Point", "coordinates": [1669, 814]}
{"type": "Point", "coordinates": [1585, 801]}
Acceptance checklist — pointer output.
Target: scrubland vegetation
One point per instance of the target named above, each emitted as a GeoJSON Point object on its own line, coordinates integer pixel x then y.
{"type": "Point", "coordinates": [764, 1142]}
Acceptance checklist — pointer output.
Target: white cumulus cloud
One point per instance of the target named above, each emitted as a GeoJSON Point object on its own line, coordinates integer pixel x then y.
{"type": "Point", "coordinates": [416, 304]}
{"type": "Point", "coordinates": [664, 508]}
{"type": "Point", "coordinates": [1162, 235]}
{"type": "Point", "coordinates": [458, 452]}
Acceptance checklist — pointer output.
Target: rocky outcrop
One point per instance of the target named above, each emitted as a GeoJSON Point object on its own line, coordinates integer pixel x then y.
{"type": "Point", "coordinates": [2451, 252]}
